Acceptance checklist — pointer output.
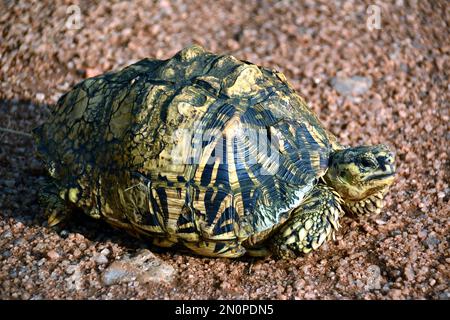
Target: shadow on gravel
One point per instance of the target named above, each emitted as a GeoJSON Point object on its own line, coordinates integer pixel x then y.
{"type": "Point", "coordinates": [21, 171]}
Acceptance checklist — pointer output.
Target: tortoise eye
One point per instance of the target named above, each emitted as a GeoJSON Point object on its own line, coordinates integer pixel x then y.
{"type": "Point", "coordinates": [367, 163]}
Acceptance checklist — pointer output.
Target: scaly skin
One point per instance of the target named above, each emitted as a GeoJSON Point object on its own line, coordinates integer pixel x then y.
{"type": "Point", "coordinates": [309, 225]}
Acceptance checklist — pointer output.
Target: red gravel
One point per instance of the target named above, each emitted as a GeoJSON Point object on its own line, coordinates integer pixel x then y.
{"type": "Point", "coordinates": [406, 106]}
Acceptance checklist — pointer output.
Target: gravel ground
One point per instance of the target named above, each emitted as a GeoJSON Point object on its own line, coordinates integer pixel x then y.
{"type": "Point", "coordinates": [388, 85]}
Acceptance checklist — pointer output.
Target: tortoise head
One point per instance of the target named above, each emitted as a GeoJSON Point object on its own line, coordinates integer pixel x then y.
{"type": "Point", "coordinates": [362, 176]}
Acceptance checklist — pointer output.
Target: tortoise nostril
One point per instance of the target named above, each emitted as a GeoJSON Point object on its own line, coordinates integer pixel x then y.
{"type": "Point", "coordinates": [390, 158]}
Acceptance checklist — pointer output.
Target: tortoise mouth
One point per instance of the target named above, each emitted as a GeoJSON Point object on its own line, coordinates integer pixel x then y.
{"type": "Point", "coordinates": [381, 176]}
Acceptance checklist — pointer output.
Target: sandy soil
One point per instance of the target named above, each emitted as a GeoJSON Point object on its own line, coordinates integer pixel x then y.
{"type": "Point", "coordinates": [401, 254]}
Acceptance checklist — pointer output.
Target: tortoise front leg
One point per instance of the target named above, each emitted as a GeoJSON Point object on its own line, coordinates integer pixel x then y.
{"type": "Point", "coordinates": [310, 224]}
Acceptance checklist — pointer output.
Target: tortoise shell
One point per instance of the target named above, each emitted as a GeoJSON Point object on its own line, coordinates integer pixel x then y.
{"type": "Point", "coordinates": [171, 148]}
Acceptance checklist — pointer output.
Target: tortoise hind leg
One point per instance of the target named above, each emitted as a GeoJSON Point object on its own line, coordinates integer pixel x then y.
{"type": "Point", "coordinates": [222, 249]}
{"type": "Point", "coordinates": [309, 225]}
{"type": "Point", "coordinates": [55, 207]}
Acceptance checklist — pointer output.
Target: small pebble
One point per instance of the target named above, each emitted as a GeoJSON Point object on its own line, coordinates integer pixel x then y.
{"type": "Point", "coordinates": [40, 96]}
{"type": "Point", "coordinates": [105, 252]}
{"type": "Point", "coordinates": [101, 259]}
{"type": "Point", "coordinates": [355, 85]}
{"type": "Point", "coordinates": [409, 273]}
{"type": "Point", "coordinates": [53, 255]}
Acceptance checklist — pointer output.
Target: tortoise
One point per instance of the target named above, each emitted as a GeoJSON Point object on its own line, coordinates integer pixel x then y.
{"type": "Point", "coordinates": [207, 153]}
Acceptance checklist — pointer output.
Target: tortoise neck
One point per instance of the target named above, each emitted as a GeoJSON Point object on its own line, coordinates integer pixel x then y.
{"type": "Point", "coordinates": [368, 205]}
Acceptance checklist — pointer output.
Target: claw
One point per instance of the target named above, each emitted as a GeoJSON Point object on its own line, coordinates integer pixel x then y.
{"type": "Point", "coordinates": [315, 245]}
{"type": "Point", "coordinates": [306, 250]}
{"type": "Point", "coordinates": [322, 238]}
{"type": "Point", "coordinates": [370, 206]}
{"type": "Point", "coordinates": [55, 218]}
{"type": "Point", "coordinates": [379, 203]}
{"type": "Point", "coordinates": [334, 223]}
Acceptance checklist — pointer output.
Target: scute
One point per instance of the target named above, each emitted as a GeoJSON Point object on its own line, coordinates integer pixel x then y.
{"type": "Point", "coordinates": [131, 143]}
